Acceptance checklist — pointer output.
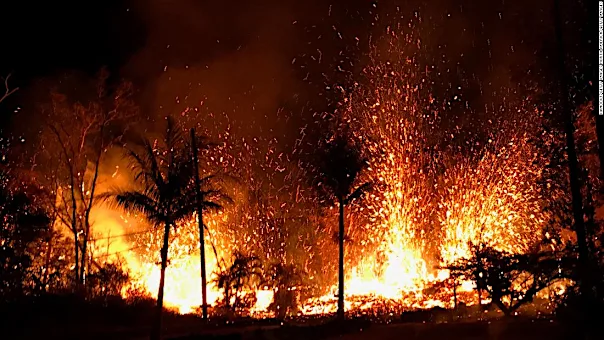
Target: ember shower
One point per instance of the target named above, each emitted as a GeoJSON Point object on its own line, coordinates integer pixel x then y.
{"type": "Point", "coordinates": [438, 189]}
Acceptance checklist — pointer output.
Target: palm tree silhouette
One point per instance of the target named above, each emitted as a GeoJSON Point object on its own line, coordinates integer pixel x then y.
{"type": "Point", "coordinates": [340, 166]}
{"type": "Point", "coordinates": [243, 274]}
{"type": "Point", "coordinates": [282, 278]}
{"type": "Point", "coordinates": [207, 197]}
{"type": "Point", "coordinates": [165, 193]}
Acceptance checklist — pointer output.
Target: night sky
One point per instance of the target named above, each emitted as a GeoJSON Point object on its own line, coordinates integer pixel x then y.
{"type": "Point", "coordinates": [253, 59]}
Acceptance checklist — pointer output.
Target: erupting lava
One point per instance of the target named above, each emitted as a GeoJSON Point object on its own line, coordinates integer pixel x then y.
{"type": "Point", "coordinates": [432, 198]}
{"type": "Point", "coordinates": [496, 202]}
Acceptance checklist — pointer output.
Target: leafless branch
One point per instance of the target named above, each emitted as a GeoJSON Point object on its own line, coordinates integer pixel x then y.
{"type": "Point", "coordinates": [7, 89]}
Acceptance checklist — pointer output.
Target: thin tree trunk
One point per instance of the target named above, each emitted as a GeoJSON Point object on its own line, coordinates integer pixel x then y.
{"type": "Point", "coordinates": [82, 263]}
{"type": "Point", "coordinates": [202, 251]}
{"type": "Point", "coordinates": [341, 262]}
{"type": "Point", "coordinates": [479, 292]}
{"type": "Point", "coordinates": [77, 258]}
{"type": "Point", "coordinates": [88, 207]}
{"type": "Point", "coordinates": [156, 327]}
{"type": "Point", "coordinates": [573, 164]}
{"type": "Point", "coordinates": [478, 280]}
{"type": "Point", "coordinates": [74, 225]}
{"type": "Point", "coordinates": [84, 256]}
{"type": "Point", "coordinates": [507, 312]}
{"type": "Point", "coordinates": [454, 292]}
{"type": "Point", "coordinates": [236, 303]}
{"type": "Point", "coordinates": [227, 297]}
{"type": "Point", "coordinates": [47, 264]}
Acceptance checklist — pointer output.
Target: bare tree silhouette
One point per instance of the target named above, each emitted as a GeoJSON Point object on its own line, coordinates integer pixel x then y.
{"type": "Point", "coordinates": [75, 139]}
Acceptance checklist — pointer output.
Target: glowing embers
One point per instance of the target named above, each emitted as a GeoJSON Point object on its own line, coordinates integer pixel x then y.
{"type": "Point", "coordinates": [494, 201]}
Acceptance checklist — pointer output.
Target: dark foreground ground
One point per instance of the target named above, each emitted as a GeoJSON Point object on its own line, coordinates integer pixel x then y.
{"type": "Point", "coordinates": [498, 329]}
{"type": "Point", "coordinates": [513, 329]}
{"type": "Point", "coordinates": [50, 320]}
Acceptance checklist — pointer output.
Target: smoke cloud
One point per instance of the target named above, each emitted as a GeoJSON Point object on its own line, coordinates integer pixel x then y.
{"type": "Point", "coordinates": [263, 67]}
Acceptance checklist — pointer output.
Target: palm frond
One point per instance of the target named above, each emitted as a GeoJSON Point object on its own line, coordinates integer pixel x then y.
{"type": "Point", "coordinates": [208, 180]}
{"type": "Point", "coordinates": [203, 142]}
{"type": "Point", "coordinates": [223, 177]}
{"type": "Point", "coordinates": [340, 164]}
{"type": "Point", "coordinates": [172, 138]}
{"type": "Point", "coordinates": [216, 196]}
{"type": "Point", "coordinates": [145, 166]}
{"type": "Point", "coordinates": [208, 205]}
{"type": "Point", "coordinates": [183, 211]}
{"type": "Point", "coordinates": [137, 202]}
{"type": "Point", "coordinates": [180, 175]}
{"type": "Point", "coordinates": [360, 191]}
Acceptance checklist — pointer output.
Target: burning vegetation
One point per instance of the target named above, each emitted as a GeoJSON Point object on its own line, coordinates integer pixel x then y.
{"type": "Point", "coordinates": [394, 210]}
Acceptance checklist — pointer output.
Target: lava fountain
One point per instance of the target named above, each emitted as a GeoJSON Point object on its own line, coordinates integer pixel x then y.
{"type": "Point", "coordinates": [432, 199]}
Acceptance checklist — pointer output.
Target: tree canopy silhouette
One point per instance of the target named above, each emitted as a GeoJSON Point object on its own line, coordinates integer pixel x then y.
{"type": "Point", "coordinates": [23, 223]}
{"type": "Point", "coordinates": [511, 280]}
{"type": "Point", "coordinates": [245, 272]}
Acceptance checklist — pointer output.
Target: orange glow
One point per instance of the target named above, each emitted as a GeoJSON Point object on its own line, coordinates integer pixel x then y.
{"type": "Point", "coordinates": [418, 219]}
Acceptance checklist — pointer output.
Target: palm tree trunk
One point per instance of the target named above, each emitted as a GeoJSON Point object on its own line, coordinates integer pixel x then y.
{"type": "Point", "coordinates": [202, 250]}
{"type": "Point", "coordinates": [202, 257]}
{"type": "Point", "coordinates": [156, 328]}
{"type": "Point", "coordinates": [341, 262]}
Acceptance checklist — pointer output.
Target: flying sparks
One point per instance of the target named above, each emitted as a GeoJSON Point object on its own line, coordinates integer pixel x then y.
{"type": "Point", "coordinates": [432, 198]}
